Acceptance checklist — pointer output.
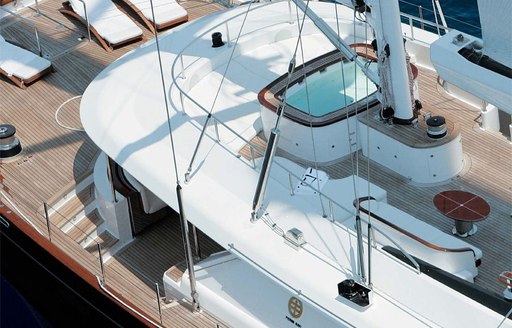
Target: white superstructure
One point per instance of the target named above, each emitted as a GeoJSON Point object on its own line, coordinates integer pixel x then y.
{"type": "Point", "coordinates": [124, 113]}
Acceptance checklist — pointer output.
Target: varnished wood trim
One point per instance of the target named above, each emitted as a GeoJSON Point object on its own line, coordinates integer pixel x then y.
{"type": "Point", "coordinates": [409, 234]}
{"type": "Point", "coordinates": [23, 83]}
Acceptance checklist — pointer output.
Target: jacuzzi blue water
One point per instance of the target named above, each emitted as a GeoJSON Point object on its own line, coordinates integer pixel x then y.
{"type": "Point", "coordinates": [327, 91]}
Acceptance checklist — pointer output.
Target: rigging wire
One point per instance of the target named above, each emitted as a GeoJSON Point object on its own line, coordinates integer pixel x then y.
{"type": "Point", "coordinates": [164, 88]}
{"type": "Point", "coordinates": [183, 219]}
{"type": "Point", "coordinates": [271, 145]}
{"type": "Point", "coordinates": [338, 31]}
{"type": "Point", "coordinates": [370, 231]}
{"type": "Point", "coordinates": [189, 169]}
{"type": "Point", "coordinates": [310, 118]}
{"type": "Point", "coordinates": [231, 56]}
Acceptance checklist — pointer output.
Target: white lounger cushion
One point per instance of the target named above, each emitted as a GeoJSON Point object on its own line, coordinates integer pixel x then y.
{"type": "Point", "coordinates": [19, 62]}
{"type": "Point", "coordinates": [111, 23]}
{"type": "Point", "coordinates": [165, 10]}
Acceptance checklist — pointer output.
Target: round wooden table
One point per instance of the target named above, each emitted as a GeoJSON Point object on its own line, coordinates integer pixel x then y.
{"type": "Point", "coordinates": [463, 207]}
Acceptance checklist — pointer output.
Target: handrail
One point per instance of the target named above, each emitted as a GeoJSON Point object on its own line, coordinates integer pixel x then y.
{"type": "Point", "coordinates": [46, 216]}
{"type": "Point", "coordinates": [402, 250]}
{"type": "Point", "coordinates": [105, 289]}
{"type": "Point", "coordinates": [432, 12]}
{"type": "Point", "coordinates": [87, 20]}
{"type": "Point", "coordinates": [182, 92]}
{"type": "Point", "coordinates": [422, 21]}
{"type": "Point", "coordinates": [26, 21]}
{"type": "Point", "coordinates": [409, 234]}
{"type": "Point", "coordinates": [21, 213]}
{"type": "Point", "coordinates": [176, 75]}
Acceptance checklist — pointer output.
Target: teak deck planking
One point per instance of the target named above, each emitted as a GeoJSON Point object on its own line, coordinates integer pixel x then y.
{"type": "Point", "coordinates": [55, 156]}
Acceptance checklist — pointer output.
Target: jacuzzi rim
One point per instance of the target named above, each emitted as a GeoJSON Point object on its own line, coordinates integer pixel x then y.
{"type": "Point", "coordinates": [296, 115]}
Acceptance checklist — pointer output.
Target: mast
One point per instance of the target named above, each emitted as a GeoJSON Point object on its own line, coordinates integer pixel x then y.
{"type": "Point", "coordinates": [384, 18]}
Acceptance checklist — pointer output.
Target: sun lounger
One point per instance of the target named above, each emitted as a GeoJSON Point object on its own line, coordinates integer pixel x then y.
{"type": "Point", "coordinates": [109, 25]}
{"type": "Point", "coordinates": [167, 12]}
{"type": "Point", "coordinates": [21, 66]}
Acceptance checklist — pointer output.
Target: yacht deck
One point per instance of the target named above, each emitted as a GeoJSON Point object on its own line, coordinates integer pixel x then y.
{"type": "Point", "coordinates": [55, 159]}
{"type": "Point", "coordinates": [487, 173]}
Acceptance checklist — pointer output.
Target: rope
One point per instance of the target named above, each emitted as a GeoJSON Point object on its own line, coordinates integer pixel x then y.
{"type": "Point", "coordinates": [385, 81]}
{"type": "Point", "coordinates": [410, 76]}
{"type": "Point", "coordinates": [57, 115]}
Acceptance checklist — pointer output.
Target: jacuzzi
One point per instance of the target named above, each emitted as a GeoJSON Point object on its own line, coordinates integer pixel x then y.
{"type": "Point", "coordinates": [322, 101]}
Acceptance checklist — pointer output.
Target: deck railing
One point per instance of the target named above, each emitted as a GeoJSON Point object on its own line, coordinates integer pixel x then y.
{"type": "Point", "coordinates": [179, 73]}
{"type": "Point", "coordinates": [108, 277]}
{"type": "Point", "coordinates": [28, 22]}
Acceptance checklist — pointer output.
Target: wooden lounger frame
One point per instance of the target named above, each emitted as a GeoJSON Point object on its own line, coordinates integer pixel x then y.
{"type": "Point", "coordinates": [23, 83]}
{"type": "Point", "coordinates": [68, 10]}
{"type": "Point", "coordinates": [149, 24]}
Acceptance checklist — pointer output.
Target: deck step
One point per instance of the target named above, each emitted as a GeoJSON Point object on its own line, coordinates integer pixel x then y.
{"type": "Point", "coordinates": [72, 207]}
{"type": "Point", "coordinates": [85, 227]}
{"type": "Point", "coordinates": [105, 240]}
{"type": "Point", "coordinates": [176, 271]}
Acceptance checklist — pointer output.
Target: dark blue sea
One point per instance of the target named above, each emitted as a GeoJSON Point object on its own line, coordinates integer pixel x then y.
{"type": "Point", "coordinates": [16, 311]}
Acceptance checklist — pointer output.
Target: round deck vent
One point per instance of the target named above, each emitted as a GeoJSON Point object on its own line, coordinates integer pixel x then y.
{"type": "Point", "coordinates": [10, 146]}
{"type": "Point", "coordinates": [436, 127]}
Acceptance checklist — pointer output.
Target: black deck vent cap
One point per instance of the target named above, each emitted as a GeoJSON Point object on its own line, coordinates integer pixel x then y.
{"type": "Point", "coordinates": [217, 40]}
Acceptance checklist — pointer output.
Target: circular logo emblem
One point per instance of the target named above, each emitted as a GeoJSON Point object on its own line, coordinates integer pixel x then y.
{"type": "Point", "coordinates": [295, 307]}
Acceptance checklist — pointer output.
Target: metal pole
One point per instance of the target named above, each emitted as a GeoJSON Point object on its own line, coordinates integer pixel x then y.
{"type": "Point", "coordinates": [252, 157]}
{"type": "Point", "coordinates": [435, 16]}
{"type": "Point", "coordinates": [370, 232]}
{"type": "Point", "coordinates": [182, 103]}
{"type": "Point", "coordinates": [264, 174]}
{"type": "Point", "coordinates": [216, 125]}
{"type": "Point", "coordinates": [100, 257]}
{"type": "Point", "coordinates": [336, 40]}
{"type": "Point", "coordinates": [87, 20]}
{"type": "Point", "coordinates": [187, 174]}
{"type": "Point", "coordinates": [37, 8]}
{"type": "Point", "coordinates": [157, 291]}
{"type": "Point", "coordinates": [331, 211]}
{"type": "Point", "coordinates": [227, 35]}
{"type": "Point", "coordinates": [47, 221]}
{"type": "Point", "coordinates": [182, 70]}
{"type": "Point", "coordinates": [38, 42]}
{"type": "Point", "coordinates": [422, 25]}
{"type": "Point", "coordinates": [291, 184]}
{"type": "Point", "coordinates": [360, 248]}
{"type": "Point", "coordinates": [290, 11]}
{"type": "Point", "coordinates": [411, 24]}
{"type": "Point", "coordinates": [441, 14]}
{"type": "Point", "coordinates": [196, 242]}
{"type": "Point", "coordinates": [188, 251]}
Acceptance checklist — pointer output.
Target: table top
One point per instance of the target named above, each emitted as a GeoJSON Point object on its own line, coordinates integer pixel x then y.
{"type": "Point", "coordinates": [462, 205]}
